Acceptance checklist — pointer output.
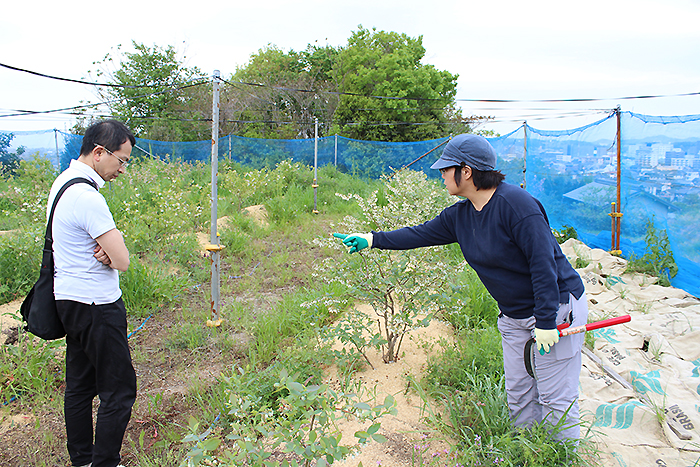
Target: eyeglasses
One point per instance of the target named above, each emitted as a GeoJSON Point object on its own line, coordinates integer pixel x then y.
{"type": "Point", "coordinates": [122, 163]}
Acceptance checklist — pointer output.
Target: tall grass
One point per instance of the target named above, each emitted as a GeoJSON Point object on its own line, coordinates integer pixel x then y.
{"type": "Point", "coordinates": [31, 369]}
{"type": "Point", "coordinates": [147, 288]}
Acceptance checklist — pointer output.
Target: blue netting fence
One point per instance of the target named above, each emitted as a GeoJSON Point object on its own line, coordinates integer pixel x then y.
{"type": "Point", "coordinates": [572, 172]}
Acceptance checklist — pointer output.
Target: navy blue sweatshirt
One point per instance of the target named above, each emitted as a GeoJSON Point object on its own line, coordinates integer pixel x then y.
{"type": "Point", "coordinates": [510, 246]}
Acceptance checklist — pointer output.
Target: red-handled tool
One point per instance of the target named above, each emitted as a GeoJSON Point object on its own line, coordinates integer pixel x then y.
{"type": "Point", "coordinates": [565, 330]}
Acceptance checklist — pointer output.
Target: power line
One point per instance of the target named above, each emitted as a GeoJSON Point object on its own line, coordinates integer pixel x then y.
{"type": "Point", "coordinates": [36, 73]}
{"type": "Point", "coordinates": [343, 93]}
{"type": "Point", "coordinates": [87, 106]}
{"type": "Point", "coordinates": [580, 99]}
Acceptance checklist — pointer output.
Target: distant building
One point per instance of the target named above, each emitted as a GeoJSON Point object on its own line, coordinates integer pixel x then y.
{"type": "Point", "coordinates": [601, 193]}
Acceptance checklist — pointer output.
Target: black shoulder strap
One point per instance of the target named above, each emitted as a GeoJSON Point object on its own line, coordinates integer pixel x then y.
{"type": "Point", "coordinates": [48, 240]}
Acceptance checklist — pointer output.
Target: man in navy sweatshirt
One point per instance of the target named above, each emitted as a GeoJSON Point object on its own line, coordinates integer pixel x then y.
{"type": "Point", "coordinates": [504, 235]}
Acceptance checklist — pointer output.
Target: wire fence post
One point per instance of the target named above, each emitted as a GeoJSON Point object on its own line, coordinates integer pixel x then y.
{"type": "Point", "coordinates": [524, 185]}
{"type": "Point", "coordinates": [214, 247]}
{"type": "Point", "coordinates": [618, 214]}
{"type": "Point", "coordinates": [58, 159]}
{"type": "Point", "coordinates": [315, 184]}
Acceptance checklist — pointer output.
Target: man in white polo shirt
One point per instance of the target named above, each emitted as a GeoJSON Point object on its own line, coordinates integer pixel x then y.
{"type": "Point", "coordinates": [88, 253]}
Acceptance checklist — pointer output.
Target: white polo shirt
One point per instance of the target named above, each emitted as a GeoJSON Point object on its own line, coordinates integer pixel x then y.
{"type": "Point", "coordinates": [81, 216]}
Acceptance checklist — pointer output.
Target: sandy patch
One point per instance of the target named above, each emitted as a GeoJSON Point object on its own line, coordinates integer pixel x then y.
{"type": "Point", "coordinates": [258, 213]}
{"type": "Point", "coordinates": [14, 421]}
{"type": "Point", "coordinates": [6, 319]}
{"type": "Point", "coordinates": [406, 429]}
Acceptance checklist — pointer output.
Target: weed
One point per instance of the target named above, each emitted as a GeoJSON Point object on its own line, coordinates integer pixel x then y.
{"type": "Point", "coordinates": [467, 379]}
{"type": "Point", "coordinates": [31, 369]}
{"type": "Point", "coordinates": [467, 304]}
{"type": "Point", "coordinates": [589, 340]}
{"type": "Point", "coordinates": [565, 233]}
{"type": "Point", "coordinates": [189, 336]}
{"type": "Point", "coordinates": [641, 306]}
{"type": "Point", "coordinates": [146, 289]}
{"type": "Point", "coordinates": [288, 319]}
{"type": "Point", "coordinates": [20, 260]}
{"type": "Point", "coordinates": [582, 259]}
{"type": "Point", "coordinates": [658, 257]}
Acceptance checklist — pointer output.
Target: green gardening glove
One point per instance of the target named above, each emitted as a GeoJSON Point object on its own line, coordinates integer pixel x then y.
{"type": "Point", "coordinates": [355, 241]}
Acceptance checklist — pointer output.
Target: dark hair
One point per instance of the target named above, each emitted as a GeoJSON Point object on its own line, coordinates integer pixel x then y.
{"type": "Point", "coordinates": [483, 179]}
{"type": "Point", "coordinates": [109, 133]}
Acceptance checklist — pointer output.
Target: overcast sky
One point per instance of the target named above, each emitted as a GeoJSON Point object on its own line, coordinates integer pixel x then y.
{"type": "Point", "coordinates": [501, 49]}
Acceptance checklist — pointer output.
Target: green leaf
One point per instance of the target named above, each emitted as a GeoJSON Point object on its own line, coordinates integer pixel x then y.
{"type": "Point", "coordinates": [362, 406]}
{"type": "Point", "coordinates": [374, 428]}
{"type": "Point", "coordinates": [295, 388]}
{"type": "Point", "coordinates": [211, 444]}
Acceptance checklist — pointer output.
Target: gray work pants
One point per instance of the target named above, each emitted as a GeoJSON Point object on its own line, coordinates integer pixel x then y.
{"type": "Point", "coordinates": [555, 391]}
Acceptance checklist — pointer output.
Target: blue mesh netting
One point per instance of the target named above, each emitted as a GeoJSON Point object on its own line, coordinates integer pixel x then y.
{"type": "Point", "coordinates": [572, 172]}
{"type": "Point", "coordinates": [362, 158]}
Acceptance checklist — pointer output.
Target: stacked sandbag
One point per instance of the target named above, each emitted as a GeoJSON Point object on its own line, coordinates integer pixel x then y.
{"type": "Point", "coordinates": [645, 410]}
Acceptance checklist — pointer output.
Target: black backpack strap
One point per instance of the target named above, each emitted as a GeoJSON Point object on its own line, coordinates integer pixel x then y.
{"type": "Point", "coordinates": [48, 240]}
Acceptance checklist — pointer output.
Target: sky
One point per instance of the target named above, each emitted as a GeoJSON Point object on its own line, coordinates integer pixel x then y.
{"type": "Point", "coordinates": [501, 49]}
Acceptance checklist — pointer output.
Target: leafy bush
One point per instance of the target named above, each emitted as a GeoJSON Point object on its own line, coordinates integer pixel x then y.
{"type": "Point", "coordinates": [565, 233]}
{"type": "Point", "coordinates": [399, 285]}
{"type": "Point", "coordinates": [302, 427]}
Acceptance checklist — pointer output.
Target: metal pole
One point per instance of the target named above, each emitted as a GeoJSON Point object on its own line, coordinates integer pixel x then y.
{"type": "Point", "coordinates": [336, 150]}
{"type": "Point", "coordinates": [613, 226]}
{"type": "Point", "coordinates": [619, 181]}
{"type": "Point", "coordinates": [524, 154]}
{"type": "Point", "coordinates": [58, 160]}
{"type": "Point", "coordinates": [315, 184]}
{"type": "Point", "coordinates": [214, 246]}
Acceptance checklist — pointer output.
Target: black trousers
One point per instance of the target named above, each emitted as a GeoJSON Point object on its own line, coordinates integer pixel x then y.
{"type": "Point", "coordinates": [98, 363]}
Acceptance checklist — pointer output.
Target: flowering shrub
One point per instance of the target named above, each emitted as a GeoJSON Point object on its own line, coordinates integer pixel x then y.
{"type": "Point", "coordinates": [399, 285]}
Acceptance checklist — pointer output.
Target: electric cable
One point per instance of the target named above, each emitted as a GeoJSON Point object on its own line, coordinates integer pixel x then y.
{"type": "Point", "coordinates": [70, 80]}
{"type": "Point", "coordinates": [342, 93]}
{"type": "Point", "coordinates": [20, 113]}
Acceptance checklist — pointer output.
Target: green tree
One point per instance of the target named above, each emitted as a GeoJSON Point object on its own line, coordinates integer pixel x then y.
{"type": "Point", "coordinates": [157, 95]}
{"type": "Point", "coordinates": [279, 94]}
{"type": "Point", "coordinates": [9, 161]}
{"type": "Point", "coordinates": [421, 98]}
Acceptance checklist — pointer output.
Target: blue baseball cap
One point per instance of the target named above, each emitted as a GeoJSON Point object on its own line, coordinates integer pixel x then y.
{"type": "Point", "coordinates": [474, 150]}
